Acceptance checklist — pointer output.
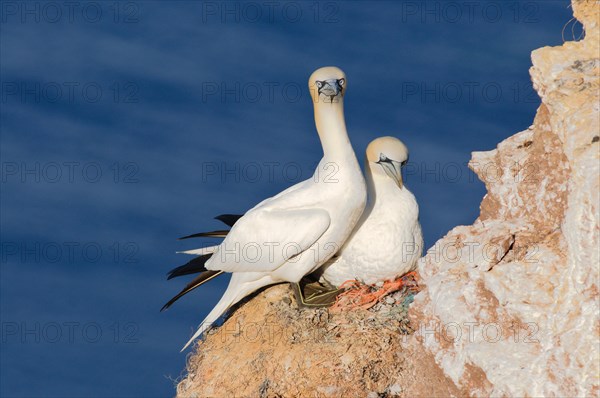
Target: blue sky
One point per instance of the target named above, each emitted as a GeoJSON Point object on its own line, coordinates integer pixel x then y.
{"type": "Point", "coordinates": [125, 125]}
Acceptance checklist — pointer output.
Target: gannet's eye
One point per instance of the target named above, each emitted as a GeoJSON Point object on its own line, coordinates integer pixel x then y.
{"type": "Point", "coordinates": [319, 84]}
{"type": "Point", "coordinates": [341, 82]}
{"type": "Point", "coordinates": [382, 157]}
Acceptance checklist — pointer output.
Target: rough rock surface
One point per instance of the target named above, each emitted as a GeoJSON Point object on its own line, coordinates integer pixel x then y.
{"type": "Point", "coordinates": [514, 297]}
{"type": "Point", "coordinates": [510, 305]}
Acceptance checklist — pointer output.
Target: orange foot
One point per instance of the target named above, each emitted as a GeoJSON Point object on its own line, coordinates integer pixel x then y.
{"type": "Point", "coordinates": [362, 296]}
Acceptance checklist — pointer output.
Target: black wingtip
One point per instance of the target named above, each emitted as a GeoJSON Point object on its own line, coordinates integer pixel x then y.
{"type": "Point", "coordinates": [196, 282]}
{"type": "Point", "coordinates": [194, 266]}
{"type": "Point", "coordinates": [169, 303]}
{"type": "Point", "coordinates": [187, 237]}
{"type": "Point", "coordinates": [211, 234]}
{"type": "Point", "coordinates": [229, 219]}
{"type": "Point", "coordinates": [170, 275]}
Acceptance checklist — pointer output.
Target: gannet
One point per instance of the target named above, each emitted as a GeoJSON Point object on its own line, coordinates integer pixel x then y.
{"type": "Point", "coordinates": [387, 240]}
{"type": "Point", "coordinates": [385, 243]}
{"type": "Point", "coordinates": [293, 233]}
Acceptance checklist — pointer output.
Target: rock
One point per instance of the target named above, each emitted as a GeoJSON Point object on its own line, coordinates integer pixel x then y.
{"type": "Point", "coordinates": [520, 286]}
{"type": "Point", "coordinates": [285, 352]}
{"type": "Point", "coordinates": [510, 304]}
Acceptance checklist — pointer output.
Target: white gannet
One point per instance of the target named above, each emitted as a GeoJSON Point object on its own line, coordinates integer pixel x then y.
{"type": "Point", "coordinates": [293, 233]}
{"type": "Point", "coordinates": [387, 240]}
{"type": "Point", "coordinates": [385, 244]}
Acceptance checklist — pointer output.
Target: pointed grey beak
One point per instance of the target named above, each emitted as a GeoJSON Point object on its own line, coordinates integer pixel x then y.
{"type": "Point", "coordinates": [393, 169]}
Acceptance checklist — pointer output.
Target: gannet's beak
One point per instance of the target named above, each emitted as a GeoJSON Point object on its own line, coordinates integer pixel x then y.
{"type": "Point", "coordinates": [331, 88]}
{"type": "Point", "coordinates": [393, 169]}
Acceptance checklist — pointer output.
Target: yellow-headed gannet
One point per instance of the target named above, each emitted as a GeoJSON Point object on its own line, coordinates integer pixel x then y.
{"type": "Point", "coordinates": [387, 240]}
{"type": "Point", "coordinates": [293, 233]}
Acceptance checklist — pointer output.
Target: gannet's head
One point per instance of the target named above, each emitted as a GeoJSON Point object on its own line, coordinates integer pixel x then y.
{"type": "Point", "coordinates": [327, 85]}
{"type": "Point", "coordinates": [387, 155]}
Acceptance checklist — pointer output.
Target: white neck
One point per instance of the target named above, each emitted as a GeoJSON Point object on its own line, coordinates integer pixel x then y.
{"type": "Point", "coordinates": [378, 182]}
{"type": "Point", "coordinates": [331, 126]}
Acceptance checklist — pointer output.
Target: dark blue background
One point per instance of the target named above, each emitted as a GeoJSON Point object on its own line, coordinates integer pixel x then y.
{"type": "Point", "coordinates": [84, 256]}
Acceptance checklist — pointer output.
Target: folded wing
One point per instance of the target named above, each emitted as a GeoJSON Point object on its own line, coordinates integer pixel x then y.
{"type": "Point", "coordinates": [263, 240]}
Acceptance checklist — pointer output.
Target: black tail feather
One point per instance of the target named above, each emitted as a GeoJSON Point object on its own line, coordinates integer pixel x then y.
{"type": "Point", "coordinates": [191, 267]}
{"type": "Point", "coordinates": [196, 282]}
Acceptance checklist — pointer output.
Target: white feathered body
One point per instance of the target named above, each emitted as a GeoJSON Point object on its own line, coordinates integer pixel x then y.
{"type": "Point", "coordinates": [387, 240]}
